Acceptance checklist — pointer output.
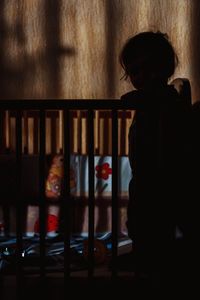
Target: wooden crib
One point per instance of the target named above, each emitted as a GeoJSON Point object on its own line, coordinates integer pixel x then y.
{"type": "Point", "coordinates": [34, 132]}
{"type": "Point", "coordinates": [54, 143]}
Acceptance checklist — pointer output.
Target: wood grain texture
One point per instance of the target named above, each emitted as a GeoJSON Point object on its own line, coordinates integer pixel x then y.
{"type": "Point", "coordinates": [70, 48]}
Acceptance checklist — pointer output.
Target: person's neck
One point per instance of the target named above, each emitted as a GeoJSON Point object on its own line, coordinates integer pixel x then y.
{"type": "Point", "coordinates": [155, 86]}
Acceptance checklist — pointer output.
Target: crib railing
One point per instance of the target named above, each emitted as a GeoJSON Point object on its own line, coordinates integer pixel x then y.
{"type": "Point", "coordinates": [64, 116]}
{"type": "Point", "coordinates": [78, 138]}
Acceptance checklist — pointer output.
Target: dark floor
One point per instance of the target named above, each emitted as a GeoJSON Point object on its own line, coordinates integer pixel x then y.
{"type": "Point", "coordinates": [180, 280]}
{"type": "Point", "coordinates": [53, 288]}
{"type": "Point", "coordinates": [101, 286]}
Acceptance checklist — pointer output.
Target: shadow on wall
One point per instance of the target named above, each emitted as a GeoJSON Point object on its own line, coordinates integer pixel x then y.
{"type": "Point", "coordinates": [111, 35]}
{"type": "Point", "coordinates": [10, 75]}
{"type": "Point", "coordinates": [18, 69]}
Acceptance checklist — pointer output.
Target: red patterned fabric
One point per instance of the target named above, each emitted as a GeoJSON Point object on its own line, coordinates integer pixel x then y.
{"type": "Point", "coordinates": [52, 224]}
{"type": "Point", "coordinates": [103, 171]}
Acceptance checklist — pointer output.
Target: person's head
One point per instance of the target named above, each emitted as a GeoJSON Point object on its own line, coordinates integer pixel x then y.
{"type": "Point", "coordinates": [148, 58]}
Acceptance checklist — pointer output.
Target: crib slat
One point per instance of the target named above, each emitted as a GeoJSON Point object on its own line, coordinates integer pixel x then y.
{"type": "Point", "coordinates": [53, 135]}
{"type": "Point", "coordinates": [2, 131]}
{"type": "Point", "coordinates": [79, 131]}
{"type": "Point", "coordinates": [67, 199]}
{"type": "Point", "coordinates": [72, 147]}
{"type": "Point", "coordinates": [105, 140]}
{"type": "Point", "coordinates": [42, 206]}
{"type": "Point", "coordinates": [19, 242]}
{"type": "Point", "coordinates": [35, 135]}
{"type": "Point", "coordinates": [123, 133]}
{"type": "Point", "coordinates": [8, 131]}
{"type": "Point", "coordinates": [91, 199]}
{"type": "Point", "coordinates": [114, 189]}
{"type": "Point", "coordinates": [26, 133]}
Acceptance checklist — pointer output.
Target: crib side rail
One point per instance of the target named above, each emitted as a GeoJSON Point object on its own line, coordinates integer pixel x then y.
{"type": "Point", "coordinates": [54, 141]}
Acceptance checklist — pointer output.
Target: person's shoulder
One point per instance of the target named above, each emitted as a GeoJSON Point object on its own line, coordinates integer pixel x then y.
{"type": "Point", "coordinates": [196, 106]}
{"type": "Point", "coordinates": [181, 95]}
{"type": "Point", "coordinates": [132, 99]}
{"type": "Point", "coordinates": [130, 96]}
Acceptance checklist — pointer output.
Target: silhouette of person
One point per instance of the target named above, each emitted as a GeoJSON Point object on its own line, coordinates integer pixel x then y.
{"type": "Point", "coordinates": [157, 150]}
{"type": "Point", "coordinates": [191, 222]}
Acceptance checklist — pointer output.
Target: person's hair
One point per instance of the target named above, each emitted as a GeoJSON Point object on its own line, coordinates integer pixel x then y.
{"type": "Point", "coordinates": [155, 48]}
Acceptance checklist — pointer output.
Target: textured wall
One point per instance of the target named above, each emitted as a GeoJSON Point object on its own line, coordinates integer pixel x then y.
{"type": "Point", "coordinates": [70, 48]}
